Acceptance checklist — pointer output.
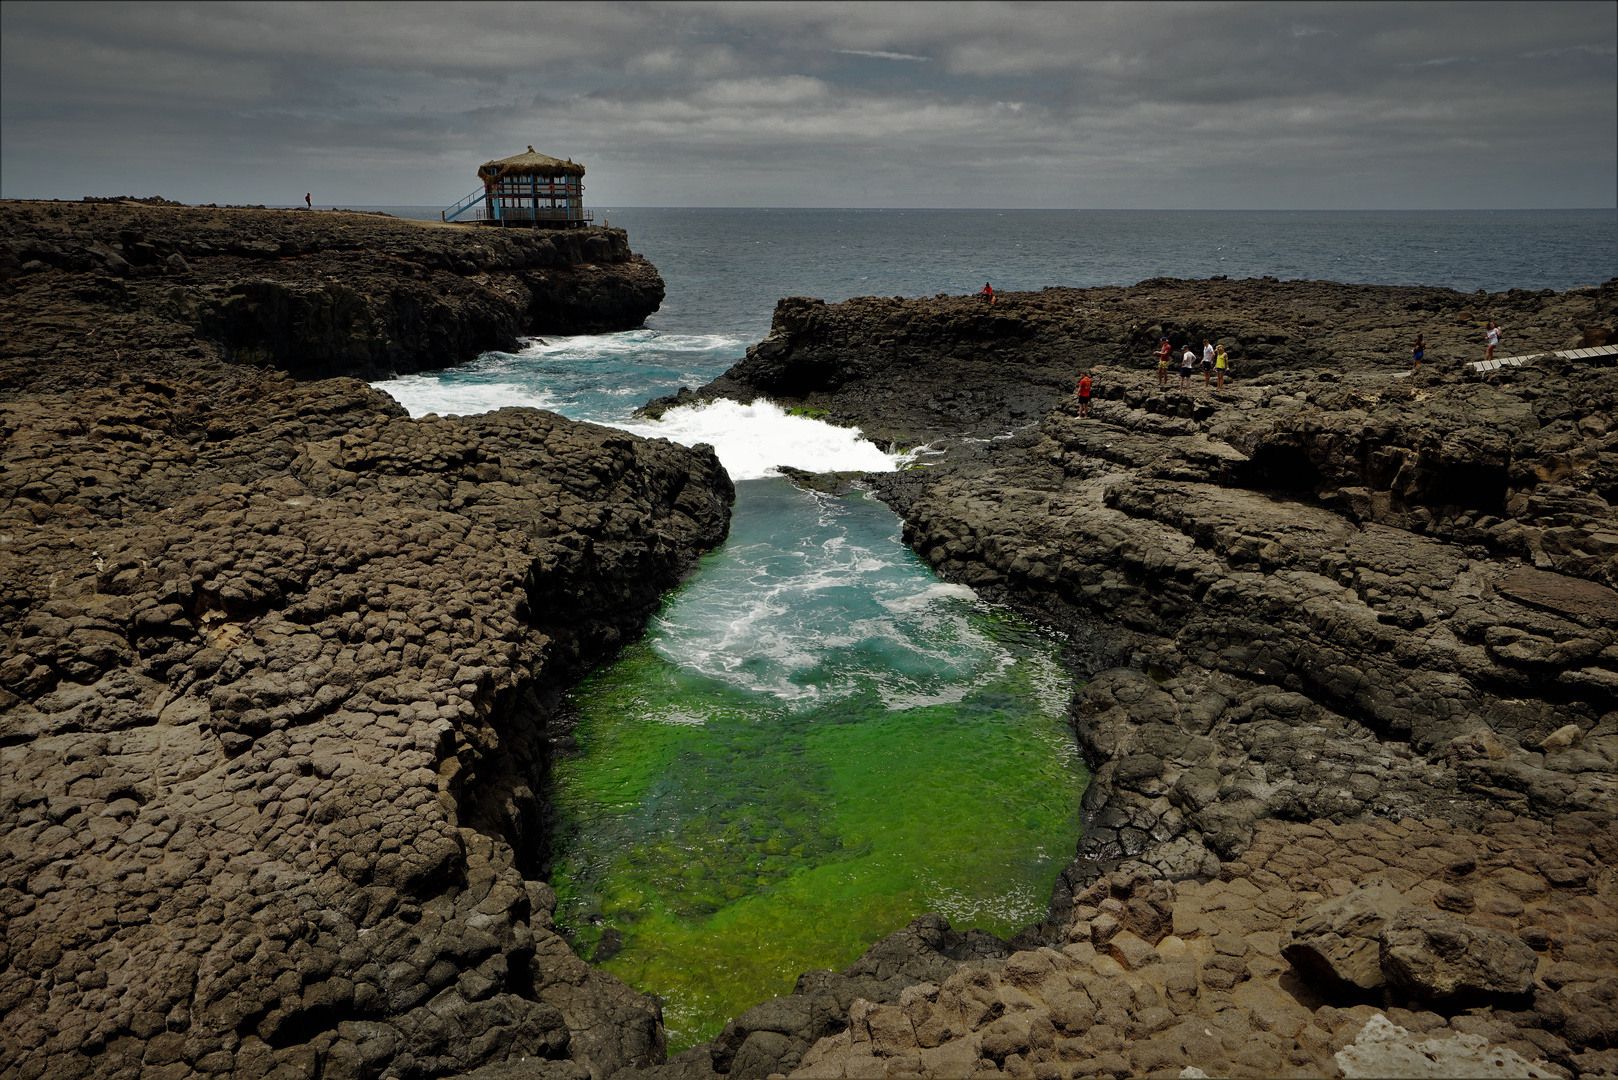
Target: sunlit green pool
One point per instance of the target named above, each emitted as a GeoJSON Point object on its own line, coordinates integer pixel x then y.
{"type": "Point", "coordinates": [815, 742]}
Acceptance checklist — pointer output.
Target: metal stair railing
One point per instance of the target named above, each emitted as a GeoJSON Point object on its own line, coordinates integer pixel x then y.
{"type": "Point", "coordinates": [453, 212]}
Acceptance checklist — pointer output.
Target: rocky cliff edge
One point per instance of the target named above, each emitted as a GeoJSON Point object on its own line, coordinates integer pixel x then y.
{"type": "Point", "coordinates": [315, 293]}
{"type": "Point", "coordinates": [278, 662]}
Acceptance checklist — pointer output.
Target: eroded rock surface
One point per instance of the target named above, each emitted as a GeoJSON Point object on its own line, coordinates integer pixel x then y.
{"type": "Point", "coordinates": [927, 371]}
{"type": "Point", "coordinates": [1386, 1049]}
{"type": "Point", "coordinates": [315, 293]}
{"type": "Point", "coordinates": [276, 671]}
{"type": "Point", "coordinates": [1154, 977]}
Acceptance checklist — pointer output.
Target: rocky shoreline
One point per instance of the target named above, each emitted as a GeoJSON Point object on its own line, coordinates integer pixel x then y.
{"type": "Point", "coordinates": [1351, 644]}
{"type": "Point", "coordinates": [280, 663]}
{"type": "Point", "coordinates": [316, 293]}
{"type": "Point", "coordinates": [278, 660]}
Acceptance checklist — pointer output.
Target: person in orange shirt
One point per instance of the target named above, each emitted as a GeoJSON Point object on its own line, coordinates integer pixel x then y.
{"type": "Point", "coordinates": [1083, 393]}
{"type": "Point", "coordinates": [988, 292]}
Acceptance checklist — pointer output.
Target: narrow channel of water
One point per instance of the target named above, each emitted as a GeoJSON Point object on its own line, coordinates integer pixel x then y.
{"type": "Point", "coordinates": [815, 742]}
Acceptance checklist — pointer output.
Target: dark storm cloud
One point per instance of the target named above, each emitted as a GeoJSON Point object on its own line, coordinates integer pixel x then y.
{"type": "Point", "coordinates": [1188, 105]}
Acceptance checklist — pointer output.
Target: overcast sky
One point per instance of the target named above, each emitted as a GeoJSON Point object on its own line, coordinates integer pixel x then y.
{"type": "Point", "coordinates": [1197, 105]}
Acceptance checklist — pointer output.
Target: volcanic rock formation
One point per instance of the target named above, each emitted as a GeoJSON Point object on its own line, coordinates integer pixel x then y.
{"type": "Point", "coordinates": [313, 293]}
{"type": "Point", "coordinates": [278, 662]}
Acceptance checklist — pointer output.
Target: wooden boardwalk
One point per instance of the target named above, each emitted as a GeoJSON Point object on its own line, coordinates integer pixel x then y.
{"type": "Point", "coordinates": [1483, 366]}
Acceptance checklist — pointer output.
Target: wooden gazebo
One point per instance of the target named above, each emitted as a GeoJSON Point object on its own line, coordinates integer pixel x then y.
{"type": "Point", "coordinates": [527, 190]}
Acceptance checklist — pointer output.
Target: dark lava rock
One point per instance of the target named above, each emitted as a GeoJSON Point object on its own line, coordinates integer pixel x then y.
{"type": "Point", "coordinates": [826, 483]}
{"type": "Point", "coordinates": [316, 294]}
{"type": "Point", "coordinates": [1338, 944]}
{"type": "Point", "coordinates": [277, 669]}
{"type": "Point", "coordinates": [930, 370]}
{"type": "Point", "coordinates": [1336, 600]}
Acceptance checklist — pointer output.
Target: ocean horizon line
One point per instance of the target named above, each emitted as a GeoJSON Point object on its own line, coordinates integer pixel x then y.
{"type": "Point", "coordinates": [339, 205]}
{"type": "Point", "coordinates": [1060, 209]}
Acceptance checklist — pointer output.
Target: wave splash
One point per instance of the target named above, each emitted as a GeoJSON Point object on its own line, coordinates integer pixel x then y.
{"type": "Point", "coordinates": [424, 394]}
{"type": "Point", "coordinates": [753, 441]}
{"type": "Point", "coordinates": [624, 345]}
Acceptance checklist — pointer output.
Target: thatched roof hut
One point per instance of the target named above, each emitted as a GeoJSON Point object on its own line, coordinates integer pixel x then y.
{"type": "Point", "coordinates": [529, 164]}
{"type": "Point", "coordinates": [526, 189]}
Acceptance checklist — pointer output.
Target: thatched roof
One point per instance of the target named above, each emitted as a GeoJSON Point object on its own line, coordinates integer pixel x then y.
{"type": "Point", "coordinates": [530, 164]}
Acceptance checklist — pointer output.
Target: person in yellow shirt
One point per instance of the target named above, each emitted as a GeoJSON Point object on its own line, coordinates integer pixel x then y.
{"type": "Point", "coordinates": [1221, 365]}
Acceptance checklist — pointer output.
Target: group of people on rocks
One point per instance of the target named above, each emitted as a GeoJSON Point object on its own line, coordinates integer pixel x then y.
{"type": "Point", "coordinates": [1215, 362]}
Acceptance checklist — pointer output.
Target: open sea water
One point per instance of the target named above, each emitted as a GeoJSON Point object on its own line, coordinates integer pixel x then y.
{"type": "Point", "coordinates": [817, 740]}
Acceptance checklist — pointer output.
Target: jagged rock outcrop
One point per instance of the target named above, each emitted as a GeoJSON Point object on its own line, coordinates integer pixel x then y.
{"type": "Point", "coordinates": [313, 293]}
{"type": "Point", "coordinates": [933, 371]}
{"type": "Point", "coordinates": [276, 668]}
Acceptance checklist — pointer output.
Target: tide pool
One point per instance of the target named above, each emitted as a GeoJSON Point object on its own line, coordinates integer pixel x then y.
{"type": "Point", "coordinates": [815, 742]}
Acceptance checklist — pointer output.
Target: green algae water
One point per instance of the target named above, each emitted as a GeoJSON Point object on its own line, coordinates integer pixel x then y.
{"type": "Point", "coordinates": [816, 741]}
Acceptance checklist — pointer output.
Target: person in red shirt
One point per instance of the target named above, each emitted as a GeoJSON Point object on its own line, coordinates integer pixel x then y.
{"type": "Point", "coordinates": [1163, 352]}
{"type": "Point", "coordinates": [988, 292]}
{"type": "Point", "coordinates": [1083, 393]}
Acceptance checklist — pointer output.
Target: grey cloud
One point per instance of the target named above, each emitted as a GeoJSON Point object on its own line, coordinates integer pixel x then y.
{"type": "Point", "coordinates": [1199, 104]}
{"type": "Point", "coordinates": [879, 54]}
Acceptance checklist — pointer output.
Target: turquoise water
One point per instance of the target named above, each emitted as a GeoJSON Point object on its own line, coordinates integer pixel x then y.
{"type": "Point", "coordinates": [815, 742]}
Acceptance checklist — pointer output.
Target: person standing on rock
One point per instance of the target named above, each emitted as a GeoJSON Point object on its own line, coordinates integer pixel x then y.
{"type": "Point", "coordinates": [1083, 394]}
{"type": "Point", "coordinates": [1187, 362]}
{"type": "Point", "coordinates": [308, 200]}
{"type": "Point", "coordinates": [1207, 363]}
{"type": "Point", "coordinates": [1417, 351]}
{"type": "Point", "coordinates": [988, 292]}
{"type": "Point", "coordinates": [1221, 363]}
{"type": "Point", "coordinates": [1491, 338]}
{"type": "Point", "coordinates": [1164, 349]}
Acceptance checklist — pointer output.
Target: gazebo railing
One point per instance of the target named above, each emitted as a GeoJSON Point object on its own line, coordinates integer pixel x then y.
{"type": "Point", "coordinates": [528, 213]}
{"type": "Point", "coordinates": [483, 205]}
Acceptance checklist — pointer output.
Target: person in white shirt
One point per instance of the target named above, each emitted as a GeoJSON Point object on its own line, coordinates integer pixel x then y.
{"type": "Point", "coordinates": [1207, 363]}
{"type": "Point", "coordinates": [1491, 338]}
{"type": "Point", "coordinates": [1187, 362]}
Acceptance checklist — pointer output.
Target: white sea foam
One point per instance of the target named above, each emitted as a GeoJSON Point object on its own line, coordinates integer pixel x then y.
{"type": "Point", "coordinates": [1019, 904]}
{"type": "Point", "coordinates": [939, 590]}
{"type": "Point", "coordinates": [829, 617]}
{"type": "Point", "coordinates": [626, 343]}
{"type": "Point", "coordinates": [423, 394]}
{"type": "Point", "coordinates": [752, 441]}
